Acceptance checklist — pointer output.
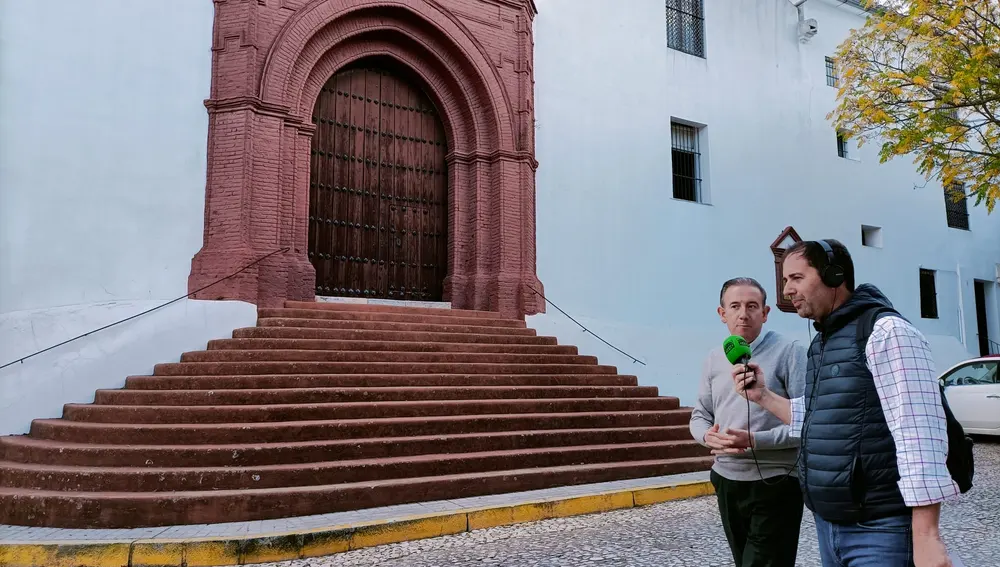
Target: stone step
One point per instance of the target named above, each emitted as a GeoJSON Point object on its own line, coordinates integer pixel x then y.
{"type": "Point", "coordinates": [145, 509]}
{"type": "Point", "coordinates": [252, 368]}
{"type": "Point", "coordinates": [284, 413]}
{"type": "Point", "coordinates": [382, 308]}
{"type": "Point", "coordinates": [131, 479]}
{"type": "Point", "coordinates": [394, 326]}
{"type": "Point", "coordinates": [24, 449]}
{"type": "Point", "coordinates": [340, 395]}
{"type": "Point", "coordinates": [319, 430]}
{"type": "Point", "coordinates": [282, 355]}
{"type": "Point", "coordinates": [439, 318]}
{"type": "Point", "coordinates": [272, 381]}
{"type": "Point", "coordinates": [354, 334]}
{"type": "Point", "coordinates": [385, 346]}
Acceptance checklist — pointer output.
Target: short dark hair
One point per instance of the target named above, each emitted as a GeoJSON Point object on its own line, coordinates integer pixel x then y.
{"type": "Point", "coordinates": [741, 281]}
{"type": "Point", "coordinates": [815, 256]}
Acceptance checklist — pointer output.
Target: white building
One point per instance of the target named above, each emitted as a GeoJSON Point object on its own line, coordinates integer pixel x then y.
{"type": "Point", "coordinates": [103, 183]}
{"type": "Point", "coordinates": [642, 268]}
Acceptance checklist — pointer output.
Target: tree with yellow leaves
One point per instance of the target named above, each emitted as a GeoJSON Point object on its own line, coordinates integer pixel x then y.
{"type": "Point", "coordinates": [923, 78]}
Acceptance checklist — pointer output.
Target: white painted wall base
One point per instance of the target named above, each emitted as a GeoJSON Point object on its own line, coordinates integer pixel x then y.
{"type": "Point", "coordinates": [39, 386]}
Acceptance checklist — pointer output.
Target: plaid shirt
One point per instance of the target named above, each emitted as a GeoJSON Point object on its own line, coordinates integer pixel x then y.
{"type": "Point", "coordinates": [899, 359]}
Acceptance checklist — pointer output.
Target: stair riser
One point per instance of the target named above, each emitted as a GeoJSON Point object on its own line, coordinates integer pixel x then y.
{"type": "Point", "coordinates": [316, 474]}
{"type": "Point", "coordinates": [378, 357]}
{"type": "Point", "coordinates": [251, 368]}
{"type": "Point", "coordinates": [388, 326]}
{"type": "Point", "coordinates": [353, 395]}
{"type": "Point", "coordinates": [378, 410]}
{"type": "Point", "coordinates": [93, 511]}
{"type": "Point", "coordinates": [112, 434]}
{"type": "Point", "coordinates": [371, 381]}
{"type": "Point", "coordinates": [388, 336]}
{"type": "Point", "coordinates": [359, 316]}
{"type": "Point", "coordinates": [386, 346]}
{"type": "Point", "coordinates": [258, 455]}
{"type": "Point", "coordinates": [379, 308]}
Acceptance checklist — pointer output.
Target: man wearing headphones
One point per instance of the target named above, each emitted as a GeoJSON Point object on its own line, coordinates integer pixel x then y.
{"type": "Point", "coordinates": [872, 427]}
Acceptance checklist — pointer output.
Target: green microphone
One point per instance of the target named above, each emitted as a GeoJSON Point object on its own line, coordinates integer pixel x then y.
{"type": "Point", "coordinates": [737, 351]}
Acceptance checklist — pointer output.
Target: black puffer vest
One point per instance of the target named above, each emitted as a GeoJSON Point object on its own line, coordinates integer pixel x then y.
{"type": "Point", "coordinates": [848, 467]}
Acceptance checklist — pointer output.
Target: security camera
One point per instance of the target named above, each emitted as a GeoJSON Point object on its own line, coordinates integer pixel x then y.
{"type": "Point", "coordinates": [807, 29]}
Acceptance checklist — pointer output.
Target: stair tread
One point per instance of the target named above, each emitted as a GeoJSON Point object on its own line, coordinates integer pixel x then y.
{"type": "Point", "coordinates": [180, 495]}
{"type": "Point", "coordinates": [47, 468]}
{"type": "Point", "coordinates": [400, 316]}
{"type": "Point", "coordinates": [443, 327]}
{"type": "Point", "coordinates": [386, 403]}
{"type": "Point", "coordinates": [401, 420]}
{"type": "Point", "coordinates": [389, 308]}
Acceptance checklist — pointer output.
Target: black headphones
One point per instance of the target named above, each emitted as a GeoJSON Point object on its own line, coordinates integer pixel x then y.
{"type": "Point", "coordinates": [833, 273]}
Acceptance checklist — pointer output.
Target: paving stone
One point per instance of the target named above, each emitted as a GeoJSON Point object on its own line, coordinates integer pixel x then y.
{"type": "Point", "coordinates": [674, 534]}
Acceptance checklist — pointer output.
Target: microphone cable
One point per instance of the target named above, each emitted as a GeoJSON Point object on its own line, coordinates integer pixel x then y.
{"type": "Point", "coordinates": [812, 397]}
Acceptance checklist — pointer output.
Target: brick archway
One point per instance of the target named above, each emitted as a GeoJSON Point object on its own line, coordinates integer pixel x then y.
{"type": "Point", "coordinates": [264, 85]}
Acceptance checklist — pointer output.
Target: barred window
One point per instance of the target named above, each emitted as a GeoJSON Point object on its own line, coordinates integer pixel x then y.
{"type": "Point", "coordinates": [928, 295]}
{"type": "Point", "coordinates": [956, 206]}
{"type": "Point", "coordinates": [686, 159]}
{"type": "Point", "coordinates": [832, 79]}
{"type": "Point", "coordinates": [842, 145]}
{"type": "Point", "coordinates": [686, 26]}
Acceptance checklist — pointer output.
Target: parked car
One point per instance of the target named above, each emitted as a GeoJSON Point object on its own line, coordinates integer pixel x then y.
{"type": "Point", "coordinates": [973, 391]}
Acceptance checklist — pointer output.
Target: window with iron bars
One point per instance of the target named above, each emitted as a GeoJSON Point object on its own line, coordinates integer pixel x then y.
{"type": "Point", "coordinates": [686, 26]}
{"type": "Point", "coordinates": [842, 145]}
{"type": "Point", "coordinates": [686, 160]}
{"type": "Point", "coordinates": [832, 79]}
{"type": "Point", "coordinates": [928, 295]}
{"type": "Point", "coordinates": [956, 206]}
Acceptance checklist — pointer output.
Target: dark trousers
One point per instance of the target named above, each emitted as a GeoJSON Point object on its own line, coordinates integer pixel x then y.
{"type": "Point", "coordinates": [761, 519]}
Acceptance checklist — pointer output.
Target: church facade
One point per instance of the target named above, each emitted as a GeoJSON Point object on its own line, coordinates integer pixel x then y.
{"type": "Point", "coordinates": [466, 151]}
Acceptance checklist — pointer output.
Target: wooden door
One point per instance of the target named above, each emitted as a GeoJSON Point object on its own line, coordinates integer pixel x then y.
{"type": "Point", "coordinates": [378, 189]}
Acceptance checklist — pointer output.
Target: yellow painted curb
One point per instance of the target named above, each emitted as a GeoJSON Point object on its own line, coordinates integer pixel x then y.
{"type": "Point", "coordinates": [218, 552]}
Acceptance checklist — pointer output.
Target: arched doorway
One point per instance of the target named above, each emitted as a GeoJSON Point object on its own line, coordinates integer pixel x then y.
{"type": "Point", "coordinates": [378, 187]}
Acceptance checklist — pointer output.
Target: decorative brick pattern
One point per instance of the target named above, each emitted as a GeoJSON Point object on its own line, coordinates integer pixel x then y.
{"type": "Point", "coordinates": [270, 60]}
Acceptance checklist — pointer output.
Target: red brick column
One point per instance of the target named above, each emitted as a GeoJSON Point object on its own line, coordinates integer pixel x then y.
{"type": "Point", "coordinates": [269, 64]}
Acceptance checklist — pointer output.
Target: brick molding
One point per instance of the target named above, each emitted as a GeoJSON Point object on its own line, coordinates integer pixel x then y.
{"type": "Point", "coordinates": [270, 59]}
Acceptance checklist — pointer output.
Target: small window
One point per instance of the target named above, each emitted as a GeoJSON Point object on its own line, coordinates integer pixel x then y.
{"type": "Point", "coordinates": [928, 295]}
{"type": "Point", "coordinates": [832, 79]}
{"type": "Point", "coordinates": [956, 206]}
{"type": "Point", "coordinates": [842, 146]}
{"type": "Point", "coordinates": [686, 26]}
{"type": "Point", "coordinates": [871, 236]}
{"type": "Point", "coordinates": [686, 160]}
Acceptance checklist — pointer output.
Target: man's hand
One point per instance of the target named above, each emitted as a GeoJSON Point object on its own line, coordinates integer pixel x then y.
{"type": "Point", "coordinates": [729, 441]}
{"type": "Point", "coordinates": [928, 549]}
{"type": "Point", "coordinates": [743, 375]}
{"type": "Point", "coordinates": [929, 552]}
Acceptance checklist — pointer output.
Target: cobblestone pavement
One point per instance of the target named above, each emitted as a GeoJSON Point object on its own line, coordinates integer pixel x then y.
{"type": "Point", "coordinates": [673, 534]}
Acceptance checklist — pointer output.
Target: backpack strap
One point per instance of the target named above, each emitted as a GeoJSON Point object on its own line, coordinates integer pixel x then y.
{"type": "Point", "coordinates": [866, 323]}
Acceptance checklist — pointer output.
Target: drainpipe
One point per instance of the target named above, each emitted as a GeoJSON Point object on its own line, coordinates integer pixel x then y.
{"type": "Point", "coordinates": [961, 306]}
{"type": "Point", "coordinates": [798, 8]}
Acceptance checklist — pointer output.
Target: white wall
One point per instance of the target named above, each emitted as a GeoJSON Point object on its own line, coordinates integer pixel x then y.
{"type": "Point", "coordinates": [102, 149]}
{"type": "Point", "coordinates": [615, 248]}
{"type": "Point", "coordinates": [39, 386]}
{"type": "Point", "coordinates": [102, 193]}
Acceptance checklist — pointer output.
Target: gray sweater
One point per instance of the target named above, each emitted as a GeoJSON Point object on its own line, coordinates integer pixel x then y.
{"type": "Point", "coordinates": [784, 364]}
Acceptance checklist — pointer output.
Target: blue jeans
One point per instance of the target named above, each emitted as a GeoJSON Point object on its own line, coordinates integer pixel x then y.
{"type": "Point", "coordinates": [886, 542]}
